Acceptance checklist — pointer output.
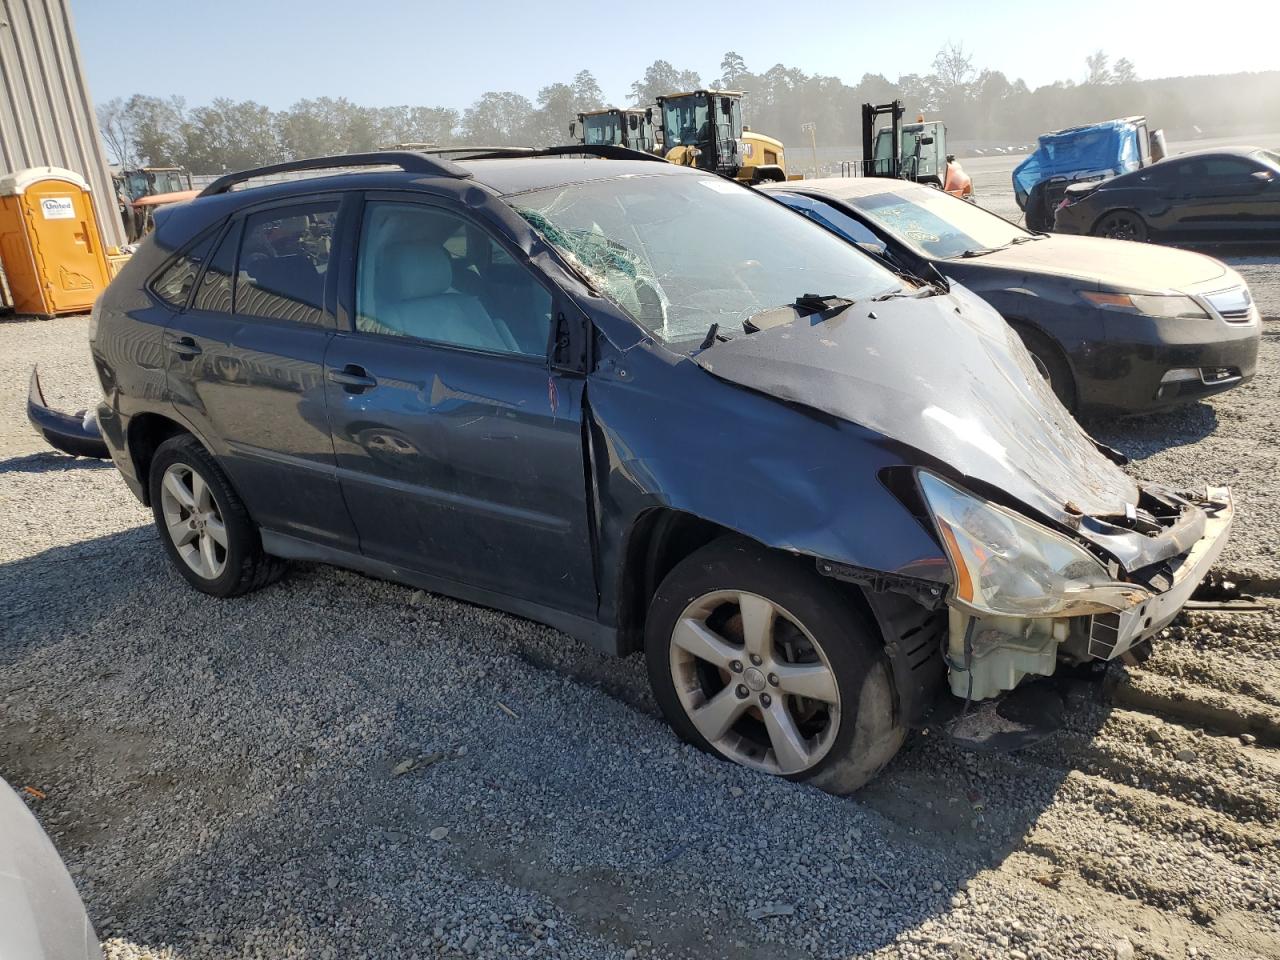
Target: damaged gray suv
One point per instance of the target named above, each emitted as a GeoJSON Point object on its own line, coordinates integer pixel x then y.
{"type": "Point", "coordinates": [648, 407]}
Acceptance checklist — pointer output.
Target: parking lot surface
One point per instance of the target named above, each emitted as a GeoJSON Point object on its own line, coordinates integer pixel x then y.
{"type": "Point", "coordinates": [338, 767]}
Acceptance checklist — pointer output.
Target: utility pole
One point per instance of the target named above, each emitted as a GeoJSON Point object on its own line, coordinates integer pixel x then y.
{"type": "Point", "coordinates": [812, 130]}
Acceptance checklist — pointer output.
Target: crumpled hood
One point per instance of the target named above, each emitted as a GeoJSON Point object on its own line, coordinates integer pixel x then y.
{"type": "Point", "coordinates": [943, 374]}
{"type": "Point", "coordinates": [1112, 264]}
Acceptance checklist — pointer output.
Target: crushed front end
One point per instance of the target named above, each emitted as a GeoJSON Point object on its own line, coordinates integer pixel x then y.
{"type": "Point", "coordinates": [1025, 597]}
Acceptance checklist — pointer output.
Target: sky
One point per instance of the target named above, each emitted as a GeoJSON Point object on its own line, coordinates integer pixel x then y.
{"type": "Point", "coordinates": [389, 52]}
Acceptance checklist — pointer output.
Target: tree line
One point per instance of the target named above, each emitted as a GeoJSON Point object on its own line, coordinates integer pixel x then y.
{"type": "Point", "coordinates": [978, 105]}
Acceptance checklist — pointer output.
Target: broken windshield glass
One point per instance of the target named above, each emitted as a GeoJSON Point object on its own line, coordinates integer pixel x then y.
{"type": "Point", "coordinates": [680, 253]}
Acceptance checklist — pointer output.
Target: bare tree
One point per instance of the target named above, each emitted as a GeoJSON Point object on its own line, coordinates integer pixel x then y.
{"type": "Point", "coordinates": [1099, 71]}
{"type": "Point", "coordinates": [116, 122]}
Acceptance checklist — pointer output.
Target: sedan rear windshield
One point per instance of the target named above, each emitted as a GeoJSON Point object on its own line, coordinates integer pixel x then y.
{"type": "Point", "coordinates": [938, 225]}
{"type": "Point", "coordinates": [679, 253]}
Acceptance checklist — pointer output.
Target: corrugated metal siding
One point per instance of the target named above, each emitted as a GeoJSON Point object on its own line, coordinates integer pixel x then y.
{"type": "Point", "coordinates": [46, 113]}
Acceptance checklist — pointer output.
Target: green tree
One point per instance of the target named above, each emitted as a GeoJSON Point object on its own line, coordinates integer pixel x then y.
{"type": "Point", "coordinates": [661, 77]}
{"type": "Point", "coordinates": [587, 94]}
{"type": "Point", "coordinates": [1124, 71]}
{"type": "Point", "coordinates": [498, 119]}
{"type": "Point", "coordinates": [733, 71]}
{"type": "Point", "coordinates": [229, 135]}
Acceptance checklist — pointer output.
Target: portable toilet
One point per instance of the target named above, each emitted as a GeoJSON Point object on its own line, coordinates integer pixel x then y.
{"type": "Point", "coordinates": [50, 245]}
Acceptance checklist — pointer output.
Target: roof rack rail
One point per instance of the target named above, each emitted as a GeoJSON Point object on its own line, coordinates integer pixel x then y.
{"type": "Point", "coordinates": [407, 160]}
{"type": "Point", "coordinates": [609, 151]}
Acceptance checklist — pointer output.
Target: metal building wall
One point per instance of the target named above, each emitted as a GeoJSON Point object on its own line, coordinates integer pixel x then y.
{"type": "Point", "coordinates": [46, 113]}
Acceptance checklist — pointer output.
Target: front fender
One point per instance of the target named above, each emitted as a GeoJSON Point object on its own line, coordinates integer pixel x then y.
{"type": "Point", "coordinates": [671, 435]}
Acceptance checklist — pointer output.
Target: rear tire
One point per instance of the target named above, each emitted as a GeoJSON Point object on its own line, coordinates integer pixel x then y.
{"type": "Point", "coordinates": [203, 523]}
{"type": "Point", "coordinates": [1122, 225]}
{"type": "Point", "coordinates": [735, 630]}
{"type": "Point", "coordinates": [1052, 365]}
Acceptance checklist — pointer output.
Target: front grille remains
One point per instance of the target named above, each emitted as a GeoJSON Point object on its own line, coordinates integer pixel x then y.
{"type": "Point", "coordinates": [1234, 305]}
{"type": "Point", "coordinates": [1104, 634]}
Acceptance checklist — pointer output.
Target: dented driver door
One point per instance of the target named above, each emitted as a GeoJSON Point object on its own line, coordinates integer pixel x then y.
{"type": "Point", "coordinates": [459, 448]}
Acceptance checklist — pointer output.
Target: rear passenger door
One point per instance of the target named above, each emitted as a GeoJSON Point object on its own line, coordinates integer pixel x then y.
{"type": "Point", "coordinates": [459, 446]}
{"type": "Point", "coordinates": [246, 366]}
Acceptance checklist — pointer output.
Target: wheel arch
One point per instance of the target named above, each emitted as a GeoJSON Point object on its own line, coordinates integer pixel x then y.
{"type": "Point", "coordinates": [146, 432]}
{"type": "Point", "coordinates": [662, 536]}
{"type": "Point", "coordinates": [1021, 324]}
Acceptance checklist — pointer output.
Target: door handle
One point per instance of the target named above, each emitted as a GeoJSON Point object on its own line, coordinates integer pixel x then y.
{"type": "Point", "coordinates": [184, 347]}
{"type": "Point", "coordinates": [354, 378]}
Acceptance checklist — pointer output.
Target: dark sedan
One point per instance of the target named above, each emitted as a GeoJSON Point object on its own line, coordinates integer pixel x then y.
{"type": "Point", "coordinates": [1210, 196]}
{"type": "Point", "coordinates": [1113, 327]}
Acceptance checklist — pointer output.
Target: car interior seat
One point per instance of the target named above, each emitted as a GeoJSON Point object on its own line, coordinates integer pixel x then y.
{"type": "Point", "coordinates": [414, 295]}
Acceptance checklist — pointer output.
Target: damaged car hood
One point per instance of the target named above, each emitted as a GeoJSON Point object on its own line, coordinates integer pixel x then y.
{"type": "Point", "coordinates": [943, 374]}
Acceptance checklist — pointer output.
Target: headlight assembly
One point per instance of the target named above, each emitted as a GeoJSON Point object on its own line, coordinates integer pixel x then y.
{"type": "Point", "coordinates": [1007, 565]}
{"type": "Point", "coordinates": [1168, 307]}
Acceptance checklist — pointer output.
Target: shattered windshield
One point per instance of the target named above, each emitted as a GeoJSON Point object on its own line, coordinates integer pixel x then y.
{"type": "Point", "coordinates": [679, 253]}
{"type": "Point", "coordinates": [939, 225]}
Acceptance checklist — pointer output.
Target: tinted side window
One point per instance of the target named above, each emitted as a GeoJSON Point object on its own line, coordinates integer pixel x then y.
{"type": "Point", "coordinates": [215, 286]}
{"type": "Point", "coordinates": [173, 286]}
{"type": "Point", "coordinates": [1227, 168]}
{"type": "Point", "coordinates": [427, 274]}
{"type": "Point", "coordinates": [284, 256]}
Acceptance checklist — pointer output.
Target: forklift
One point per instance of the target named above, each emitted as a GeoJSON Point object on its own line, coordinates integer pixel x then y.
{"type": "Point", "coordinates": [703, 129]}
{"type": "Point", "coordinates": [911, 151]}
{"type": "Point", "coordinates": [630, 128]}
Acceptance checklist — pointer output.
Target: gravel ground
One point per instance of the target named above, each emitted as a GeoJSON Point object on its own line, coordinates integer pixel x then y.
{"type": "Point", "coordinates": [340, 767]}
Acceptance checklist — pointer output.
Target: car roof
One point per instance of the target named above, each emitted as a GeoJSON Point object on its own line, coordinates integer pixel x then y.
{"type": "Point", "coordinates": [521, 174]}
{"type": "Point", "coordinates": [506, 176]}
{"type": "Point", "coordinates": [844, 188]}
{"type": "Point", "coordinates": [1232, 151]}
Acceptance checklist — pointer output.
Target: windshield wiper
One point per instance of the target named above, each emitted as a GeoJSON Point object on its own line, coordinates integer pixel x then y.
{"type": "Point", "coordinates": [979, 252]}
{"type": "Point", "coordinates": [713, 336]}
{"type": "Point", "coordinates": [1027, 239]}
{"type": "Point", "coordinates": [825, 306]}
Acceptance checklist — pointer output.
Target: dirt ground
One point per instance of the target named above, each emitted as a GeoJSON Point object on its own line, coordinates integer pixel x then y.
{"type": "Point", "coordinates": [222, 776]}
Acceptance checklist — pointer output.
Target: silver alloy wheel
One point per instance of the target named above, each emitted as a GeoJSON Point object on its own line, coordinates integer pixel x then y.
{"type": "Point", "coordinates": [193, 521]}
{"type": "Point", "coordinates": [754, 682]}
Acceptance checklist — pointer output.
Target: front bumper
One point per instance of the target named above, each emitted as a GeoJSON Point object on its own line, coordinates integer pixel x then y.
{"type": "Point", "coordinates": [1144, 364]}
{"type": "Point", "coordinates": [989, 655]}
{"type": "Point", "coordinates": [1112, 634]}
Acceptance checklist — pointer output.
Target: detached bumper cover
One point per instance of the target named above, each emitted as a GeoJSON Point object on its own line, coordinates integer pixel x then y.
{"type": "Point", "coordinates": [76, 434]}
{"type": "Point", "coordinates": [1112, 634]}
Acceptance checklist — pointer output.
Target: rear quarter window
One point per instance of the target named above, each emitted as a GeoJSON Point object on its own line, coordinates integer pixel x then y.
{"type": "Point", "coordinates": [174, 282]}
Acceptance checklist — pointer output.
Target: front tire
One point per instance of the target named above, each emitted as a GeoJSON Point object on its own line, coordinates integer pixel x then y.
{"type": "Point", "coordinates": [757, 659]}
{"type": "Point", "coordinates": [203, 523]}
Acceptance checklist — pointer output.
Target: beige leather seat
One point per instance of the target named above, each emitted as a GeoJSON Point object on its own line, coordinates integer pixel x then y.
{"type": "Point", "coordinates": [414, 295]}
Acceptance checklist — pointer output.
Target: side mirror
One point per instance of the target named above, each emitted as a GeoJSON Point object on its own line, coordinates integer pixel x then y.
{"type": "Point", "coordinates": [1262, 176]}
{"type": "Point", "coordinates": [648, 114]}
{"type": "Point", "coordinates": [573, 130]}
{"type": "Point", "coordinates": [633, 121]}
{"type": "Point", "coordinates": [726, 106]}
